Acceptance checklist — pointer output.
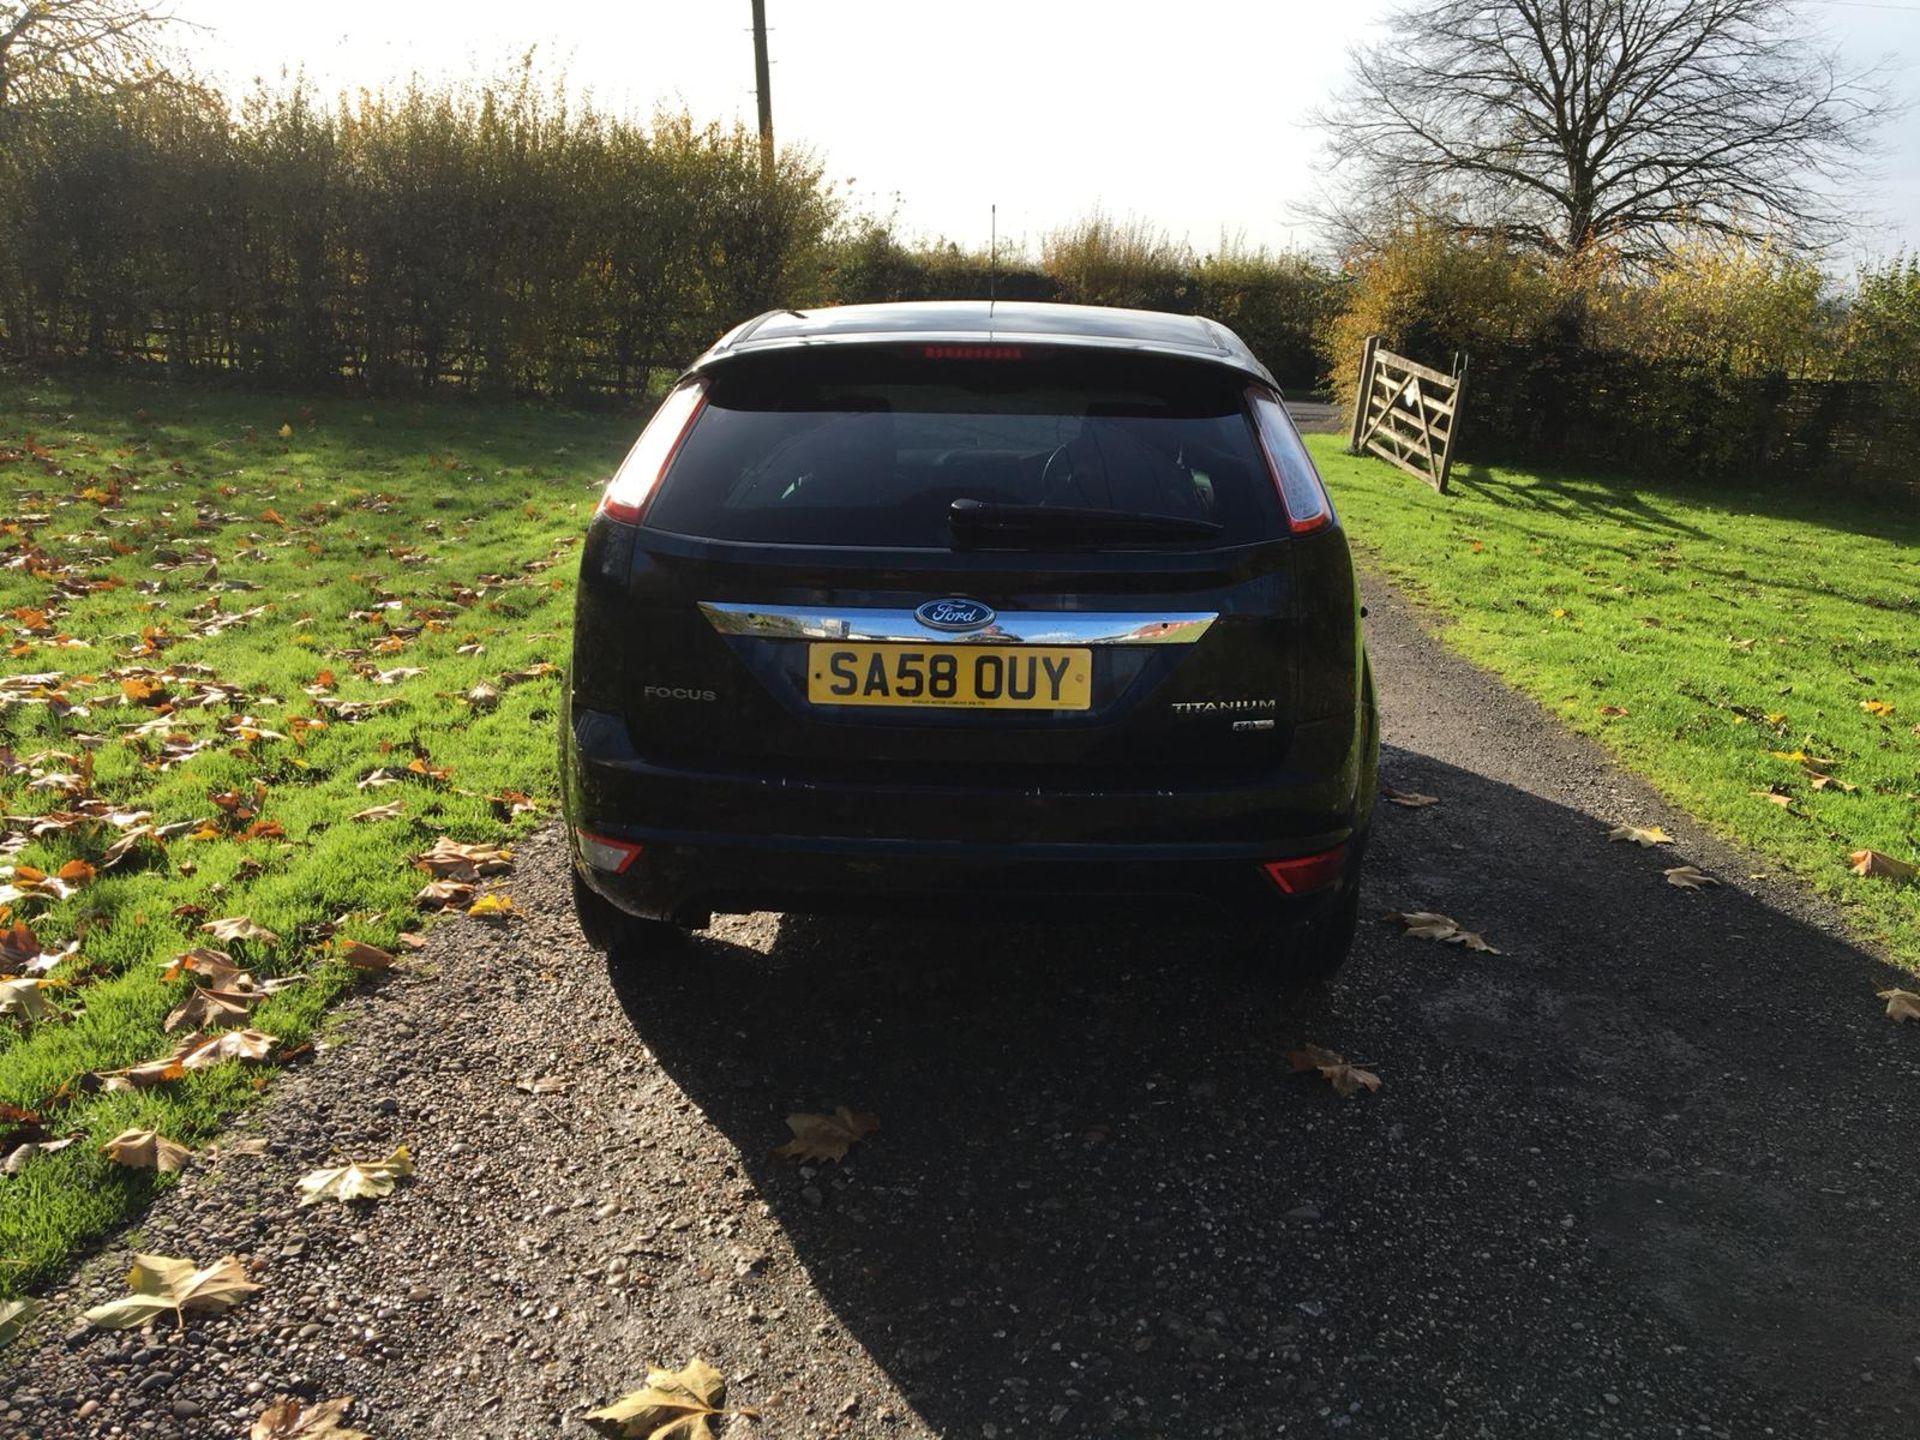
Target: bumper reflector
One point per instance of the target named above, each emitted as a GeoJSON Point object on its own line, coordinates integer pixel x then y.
{"type": "Point", "coordinates": [601, 853]}
{"type": "Point", "coordinates": [1303, 874]}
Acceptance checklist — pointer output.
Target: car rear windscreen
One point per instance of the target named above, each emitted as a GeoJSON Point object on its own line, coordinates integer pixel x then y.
{"type": "Point", "coordinates": [871, 445]}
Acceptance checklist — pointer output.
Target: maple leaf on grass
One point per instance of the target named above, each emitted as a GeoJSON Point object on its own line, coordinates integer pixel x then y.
{"type": "Point", "coordinates": [196, 1052]}
{"type": "Point", "coordinates": [162, 1285]}
{"type": "Point", "coordinates": [25, 998]}
{"type": "Point", "coordinates": [1688, 877]}
{"type": "Point", "coordinates": [146, 1150]}
{"type": "Point", "coordinates": [1872, 862]}
{"type": "Point", "coordinates": [362, 956]}
{"type": "Point", "coordinates": [1431, 925]}
{"type": "Point", "coordinates": [391, 811]}
{"type": "Point", "coordinates": [357, 1180]}
{"type": "Point", "coordinates": [675, 1405]}
{"type": "Point", "coordinates": [21, 1154]}
{"type": "Point", "coordinates": [1901, 1004]}
{"type": "Point", "coordinates": [288, 1419]}
{"type": "Point", "coordinates": [451, 860]}
{"type": "Point", "coordinates": [15, 1316]}
{"type": "Point", "coordinates": [239, 927]}
{"type": "Point", "coordinates": [216, 965]}
{"type": "Point", "coordinates": [19, 947]}
{"type": "Point", "coordinates": [1412, 800]}
{"type": "Point", "coordinates": [1346, 1079]}
{"type": "Point", "coordinates": [441, 893]}
{"type": "Point", "coordinates": [206, 1006]}
{"type": "Point", "coordinates": [1638, 835]}
{"type": "Point", "coordinates": [826, 1137]}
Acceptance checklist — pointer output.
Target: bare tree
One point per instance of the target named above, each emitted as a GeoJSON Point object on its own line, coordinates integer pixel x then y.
{"type": "Point", "coordinates": [1562, 123]}
{"type": "Point", "coordinates": [48, 47]}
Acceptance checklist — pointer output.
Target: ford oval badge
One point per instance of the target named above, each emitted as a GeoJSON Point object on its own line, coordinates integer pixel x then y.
{"type": "Point", "coordinates": [954, 615]}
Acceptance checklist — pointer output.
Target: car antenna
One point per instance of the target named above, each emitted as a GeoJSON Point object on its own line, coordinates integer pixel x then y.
{"type": "Point", "coordinates": [993, 255]}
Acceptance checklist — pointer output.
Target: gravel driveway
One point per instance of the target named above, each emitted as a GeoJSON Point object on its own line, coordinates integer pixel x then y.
{"type": "Point", "coordinates": [1650, 1172]}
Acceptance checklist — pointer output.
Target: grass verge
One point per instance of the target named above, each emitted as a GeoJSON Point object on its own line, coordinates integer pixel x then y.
{"type": "Point", "coordinates": [1755, 655]}
{"type": "Point", "coordinates": [260, 616]}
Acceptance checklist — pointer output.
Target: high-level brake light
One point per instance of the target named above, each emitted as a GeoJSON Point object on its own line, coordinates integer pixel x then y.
{"type": "Point", "coordinates": [639, 474]}
{"type": "Point", "coordinates": [971, 352]}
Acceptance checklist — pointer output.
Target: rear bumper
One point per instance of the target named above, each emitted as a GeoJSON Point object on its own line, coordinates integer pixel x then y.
{"type": "Point", "coordinates": [740, 841]}
{"type": "Point", "coordinates": [686, 877]}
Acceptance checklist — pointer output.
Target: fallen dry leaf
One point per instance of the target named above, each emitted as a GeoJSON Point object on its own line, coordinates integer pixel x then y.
{"type": "Point", "coordinates": [1650, 835]}
{"type": "Point", "coordinates": [675, 1405]}
{"type": "Point", "coordinates": [1346, 1079]}
{"type": "Point", "coordinates": [1411, 799]}
{"type": "Point", "coordinates": [216, 965]}
{"type": "Point", "coordinates": [201, 1051]}
{"type": "Point", "coordinates": [20, 1154]}
{"type": "Point", "coordinates": [1901, 1004]}
{"type": "Point", "coordinates": [206, 1006]}
{"type": "Point", "coordinates": [441, 893]}
{"type": "Point", "coordinates": [1872, 862]}
{"type": "Point", "coordinates": [196, 1052]}
{"type": "Point", "coordinates": [826, 1137]}
{"type": "Point", "coordinates": [1430, 925]}
{"type": "Point", "coordinates": [451, 860]}
{"type": "Point", "coordinates": [288, 1419]}
{"type": "Point", "coordinates": [163, 1286]}
{"type": "Point", "coordinates": [362, 956]}
{"type": "Point", "coordinates": [390, 811]}
{"type": "Point", "coordinates": [357, 1180]}
{"type": "Point", "coordinates": [1878, 708]}
{"type": "Point", "coordinates": [1689, 877]}
{"type": "Point", "coordinates": [239, 927]}
{"type": "Point", "coordinates": [15, 1316]}
{"type": "Point", "coordinates": [1614, 712]}
{"type": "Point", "coordinates": [146, 1150]}
{"type": "Point", "coordinates": [24, 998]}
{"type": "Point", "coordinates": [496, 906]}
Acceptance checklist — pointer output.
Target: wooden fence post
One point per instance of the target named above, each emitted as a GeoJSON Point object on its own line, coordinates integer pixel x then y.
{"type": "Point", "coordinates": [1360, 394]}
{"type": "Point", "coordinates": [1453, 427]}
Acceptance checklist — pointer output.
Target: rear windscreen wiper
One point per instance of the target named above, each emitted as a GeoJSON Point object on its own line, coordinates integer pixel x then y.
{"type": "Point", "coordinates": [976, 522]}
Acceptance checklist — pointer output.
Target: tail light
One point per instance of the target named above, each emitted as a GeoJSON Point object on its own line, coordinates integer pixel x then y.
{"type": "Point", "coordinates": [602, 853]}
{"type": "Point", "coordinates": [1304, 874]}
{"type": "Point", "coordinates": [1301, 492]}
{"type": "Point", "coordinates": [639, 474]}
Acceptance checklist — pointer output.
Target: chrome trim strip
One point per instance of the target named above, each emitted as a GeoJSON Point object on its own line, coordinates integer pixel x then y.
{"type": "Point", "coordinates": [1009, 627]}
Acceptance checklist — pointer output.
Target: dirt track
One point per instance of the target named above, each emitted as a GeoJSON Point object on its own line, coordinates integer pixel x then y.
{"type": "Point", "coordinates": [1650, 1172]}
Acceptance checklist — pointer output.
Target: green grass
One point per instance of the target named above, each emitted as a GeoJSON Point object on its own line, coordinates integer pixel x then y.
{"type": "Point", "coordinates": [1733, 628]}
{"type": "Point", "coordinates": [467, 517]}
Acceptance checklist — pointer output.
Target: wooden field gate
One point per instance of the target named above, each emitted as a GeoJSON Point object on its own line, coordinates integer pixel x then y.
{"type": "Point", "coordinates": [1407, 413]}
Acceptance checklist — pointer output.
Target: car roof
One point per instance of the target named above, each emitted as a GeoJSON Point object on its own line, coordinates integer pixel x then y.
{"type": "Point", "coordinates": [1190, 337]}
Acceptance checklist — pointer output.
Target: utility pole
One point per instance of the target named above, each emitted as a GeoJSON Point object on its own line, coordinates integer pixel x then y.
{"type": "Point", "coordinates": [762, 88]}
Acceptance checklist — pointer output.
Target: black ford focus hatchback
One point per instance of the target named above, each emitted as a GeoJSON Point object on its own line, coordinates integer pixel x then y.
{"type": "Point", "coordinates": [1004, 608]}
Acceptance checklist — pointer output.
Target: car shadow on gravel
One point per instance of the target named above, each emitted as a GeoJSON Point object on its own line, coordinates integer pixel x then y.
{"type": "Point", "coordinates": [1634, 1171]}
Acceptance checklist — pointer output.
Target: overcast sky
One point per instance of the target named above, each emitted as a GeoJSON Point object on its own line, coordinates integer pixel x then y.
{"type": "Point", "coordinates": [1191, 118]}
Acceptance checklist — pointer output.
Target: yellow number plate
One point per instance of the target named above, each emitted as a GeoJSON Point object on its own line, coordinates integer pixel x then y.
{"type": "Point", "coordinates": [968, 677]}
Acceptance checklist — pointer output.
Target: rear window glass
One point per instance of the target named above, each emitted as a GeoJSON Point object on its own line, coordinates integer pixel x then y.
{"type": "Point", "coordinates": [872, 446]}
